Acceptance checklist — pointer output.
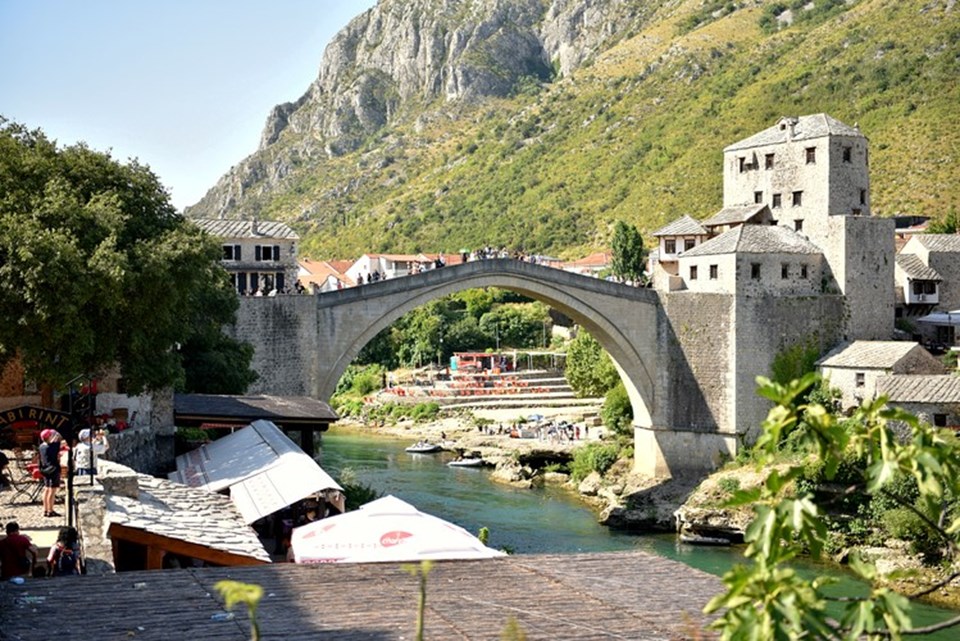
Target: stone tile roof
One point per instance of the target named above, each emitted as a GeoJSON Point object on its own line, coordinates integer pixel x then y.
{"type": "Point", "coordinates": [942, 243]}
{"type": "Point", "coordinates": [685, 226]}
{"type": "Point", "coordinates": [734, 215]}
{"type": "Point", "coordinates": [244, 228]}
{"type": "Point", "coordinates": [916, 269]}
{"type": "Point", "coordinates": [320, 270]}
{"type": "Point", "coordinates": [904, 388]}
{"type": "Point", "coordinates": [755, 239]}
{"type": "Point", "coordinates": [187, 514]}
{"type": "Point", "coordinates": [805, 128]}
{"type": "Point", "coordinates": [251, 408]}
{"type": "Point", "coordinates": [612, 595]}
{"type": "Point", "coordinates": [868, 354]}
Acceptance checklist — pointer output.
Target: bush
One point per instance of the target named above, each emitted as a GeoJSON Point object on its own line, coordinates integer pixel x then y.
{"type": "Point", "coordinates": [356, 493]}
{"type": "Point", "coordinates": [595, 457]}
{"type": "Point", "coordinates": [423, 412]}
{"type": "Point", "coordinates": [617, 412]}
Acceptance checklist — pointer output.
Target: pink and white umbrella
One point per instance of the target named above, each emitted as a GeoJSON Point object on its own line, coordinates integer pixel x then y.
{"type": "Point", "coordinates": [384, 530]}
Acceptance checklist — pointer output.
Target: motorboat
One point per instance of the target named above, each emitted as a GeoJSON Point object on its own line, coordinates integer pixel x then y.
{"type": "Point", "coordinates": [467, 462]}
{"type": "Point", "coordinates": [423, 447]}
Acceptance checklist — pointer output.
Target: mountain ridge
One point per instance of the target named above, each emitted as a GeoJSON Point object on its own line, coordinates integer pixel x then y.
{"type": "Point", "coordinates": [631, 128]}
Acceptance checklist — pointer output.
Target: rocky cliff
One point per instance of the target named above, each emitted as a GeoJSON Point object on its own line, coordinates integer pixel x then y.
{"type": "Point", "coordinates": [407, 58]}
{"type": "Point", "coordinates": [537, 124]}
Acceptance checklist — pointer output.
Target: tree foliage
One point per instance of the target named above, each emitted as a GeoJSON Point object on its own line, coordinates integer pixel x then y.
{"type": "Point", "coordinates": [629, 254]}
{"type": "Point", "coordinates": [767, 599]}
{"type": "Point", "coordinates": [98, 269]}
{"type": "Point", "coordinates": [589, 369]}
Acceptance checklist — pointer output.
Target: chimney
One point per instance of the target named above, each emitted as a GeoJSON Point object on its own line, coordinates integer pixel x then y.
{"type": "Point", "coordinates": [253, 227]}
{"type": "Point", "coordinates": [788, 125]}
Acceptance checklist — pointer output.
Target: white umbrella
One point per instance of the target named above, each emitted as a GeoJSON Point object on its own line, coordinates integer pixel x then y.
{"type": "Point", "coordinates": [387, 529]}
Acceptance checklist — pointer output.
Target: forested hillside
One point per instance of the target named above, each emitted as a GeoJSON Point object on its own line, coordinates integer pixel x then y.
{"type": "Point", "coordinates": [625, 119]}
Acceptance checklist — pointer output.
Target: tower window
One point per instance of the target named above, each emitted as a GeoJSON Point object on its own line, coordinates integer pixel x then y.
{"type": "Point", "coordinates": [861, 379]}
{"type": "Point", "coordinates": [785, 270]}
{"type": "Point", "coordinates": [768, 161]}
{"type": "Point", "coordinates": [798, 224]}
{"type": "Point", "coordinates": [797, 198]}
{"type": "Point", "coordinates": [776, 201]}
{"type": "Point", "coordinates": [847, 154]}
{"type": "Point", "coordinates": [743, 164]}
{"type": "Point", "coordinates": [803, 271]}
{"type": "Point", "coordinates": [863, 196]}
{"type": "Point", "coordinates": [811, 155]}
{"type": "Point", "coordinates": [693, 272]}
{"type": "Point", "coordinates": [714, 272]}
{"type": "Point", "coordinates": [758, 197]}
{"type": "Point", "coordinates": [755, 271]}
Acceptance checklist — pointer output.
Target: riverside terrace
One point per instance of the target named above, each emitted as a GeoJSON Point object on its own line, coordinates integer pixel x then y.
{"type": "Point", "coordinates": [614, 595]}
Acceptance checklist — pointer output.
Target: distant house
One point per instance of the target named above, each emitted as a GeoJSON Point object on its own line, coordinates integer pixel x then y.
{"type": "Point", "coordinates": [854, 368]}
{"type": "Point", "coordinates": [934, 399]}
{"type": "Point", "coordinates": [753, 260]}
{"type": "Point", "coordinates": [318, 276]}
{"type": "Point", "coordinates": [675, 238]}
{"type": "Point", "coordinates": [930, 264]}
{"type": "Point", "coordinates": [259, 255]}
{"type": "Point", "coordinates": [590, 265]}
{"type": "Point", "coordinates": [387, 265]}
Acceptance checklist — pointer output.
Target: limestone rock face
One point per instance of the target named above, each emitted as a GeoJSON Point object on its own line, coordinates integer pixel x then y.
{"type": "Point", "coordinates": [403, 57]}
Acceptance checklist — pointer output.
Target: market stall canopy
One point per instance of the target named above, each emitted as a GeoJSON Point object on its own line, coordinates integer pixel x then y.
{"type": "Point", "coordinates": [942, 318]}
{"type": "Point", "coordinates": [385, 530]}
{"type": "Point", "coordinates": [263, 470]}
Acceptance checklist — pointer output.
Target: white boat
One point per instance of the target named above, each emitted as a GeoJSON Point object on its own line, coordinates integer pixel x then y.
{"type": "Point", "coordinates": [423, 447]}
{"type": "Point", "coordinates": [466, 462]}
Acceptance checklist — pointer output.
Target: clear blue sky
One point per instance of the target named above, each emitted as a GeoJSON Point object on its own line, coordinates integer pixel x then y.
{"type": "Point", "coordinates": [185, 86]}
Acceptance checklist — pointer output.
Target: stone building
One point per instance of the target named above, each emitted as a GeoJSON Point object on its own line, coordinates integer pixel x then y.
{"type": "Point", "coordinates": [679, 236]}
{"type": "Point", "coordinates": [928, 287]}
{"type": "Point", "coordinates": [934, 399]}
{"type": "Point", "coordinates": [854, 368]}
{"type": "Point", "coordinates": [754, 260]}
{"type": "Point", "coordinates": [259, 255]}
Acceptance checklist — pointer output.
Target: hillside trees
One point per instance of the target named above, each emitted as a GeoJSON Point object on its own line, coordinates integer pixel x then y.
{"type": "Point", "coordinates": [589, 369]}
{"type": "Point", "coordinates": [97, 269]}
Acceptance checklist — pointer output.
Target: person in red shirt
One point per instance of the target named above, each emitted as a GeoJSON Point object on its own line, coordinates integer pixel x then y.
{"type": "Point", "coordinates": [18, 554]}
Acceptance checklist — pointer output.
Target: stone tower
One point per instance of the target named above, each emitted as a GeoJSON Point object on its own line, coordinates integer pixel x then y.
{"type": "Point", "coordinates": [813, 174]}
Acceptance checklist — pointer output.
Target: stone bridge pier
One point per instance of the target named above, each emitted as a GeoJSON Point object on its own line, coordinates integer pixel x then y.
{"type": "Point", "coordinates": [303, 344]}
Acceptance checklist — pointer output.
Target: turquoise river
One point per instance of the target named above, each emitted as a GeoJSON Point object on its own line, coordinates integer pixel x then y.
{"type": "Point", "coordinates": [529, 521]}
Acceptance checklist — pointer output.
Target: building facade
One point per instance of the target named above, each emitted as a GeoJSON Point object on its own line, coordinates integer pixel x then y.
{"type": "Point", "coordinates": [260, 256]}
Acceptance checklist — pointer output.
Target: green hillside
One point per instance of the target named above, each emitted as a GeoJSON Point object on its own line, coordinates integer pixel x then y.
{"type": "Point", "coordinates": [637, 133]}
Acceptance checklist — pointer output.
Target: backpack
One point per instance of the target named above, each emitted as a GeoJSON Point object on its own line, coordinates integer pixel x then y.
{"type": "Point", "coordinates": [67, 562]}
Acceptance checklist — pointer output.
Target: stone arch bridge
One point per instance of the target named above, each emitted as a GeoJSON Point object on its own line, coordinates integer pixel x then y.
{"type": "Point", "coordinates": [674, 353]}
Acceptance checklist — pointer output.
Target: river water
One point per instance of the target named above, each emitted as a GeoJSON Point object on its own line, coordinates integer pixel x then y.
{"type": "Point", "coordinates": [529, 521]}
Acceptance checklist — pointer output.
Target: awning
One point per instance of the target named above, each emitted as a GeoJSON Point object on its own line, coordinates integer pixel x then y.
{"type": "Point", "coordinates": [385, 530]}
{"type": "Point", "coordinates": [942, 318]}
{"type": "Point", "coordinates": [263, 470]}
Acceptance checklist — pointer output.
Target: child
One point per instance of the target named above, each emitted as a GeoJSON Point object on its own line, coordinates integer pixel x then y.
{"type": "Point", "coordinates": [64, 557]}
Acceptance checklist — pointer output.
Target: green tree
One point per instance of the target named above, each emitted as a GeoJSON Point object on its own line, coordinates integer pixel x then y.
{"type": "Point", "coordinates": [589, 369]}
{"type": "Point", "coordinates": [629, 254]}
{"type": "Point", "coordinates": [949, 223]}
{"type": "Point", "coordinates": [767, 599]}
{"type": "Point", "coordinates": [97, 268]}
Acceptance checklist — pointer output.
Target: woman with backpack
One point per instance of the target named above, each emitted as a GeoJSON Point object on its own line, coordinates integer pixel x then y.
{"type": "Point", "coordinates": [64, 557]}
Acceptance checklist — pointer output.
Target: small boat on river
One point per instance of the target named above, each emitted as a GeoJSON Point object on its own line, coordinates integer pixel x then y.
{"type": "Point", "coordinates": [423, 447]}
{"type": "Point", "coordinates": [466, 462]}
{"type": "Point", "coordinates": [699, 539]}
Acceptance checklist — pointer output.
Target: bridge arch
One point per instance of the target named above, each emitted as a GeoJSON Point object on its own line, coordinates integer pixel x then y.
{"type": "Point", "coordinates": [622, 319]}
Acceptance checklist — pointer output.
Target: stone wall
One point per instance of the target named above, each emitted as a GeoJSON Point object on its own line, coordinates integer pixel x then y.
{"type": "Point", "coordinates": [283, 330]}
{"type": "Point", "coordinates": [765, 327]}
{"type": "Point", "coordinates": [695, 340]}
